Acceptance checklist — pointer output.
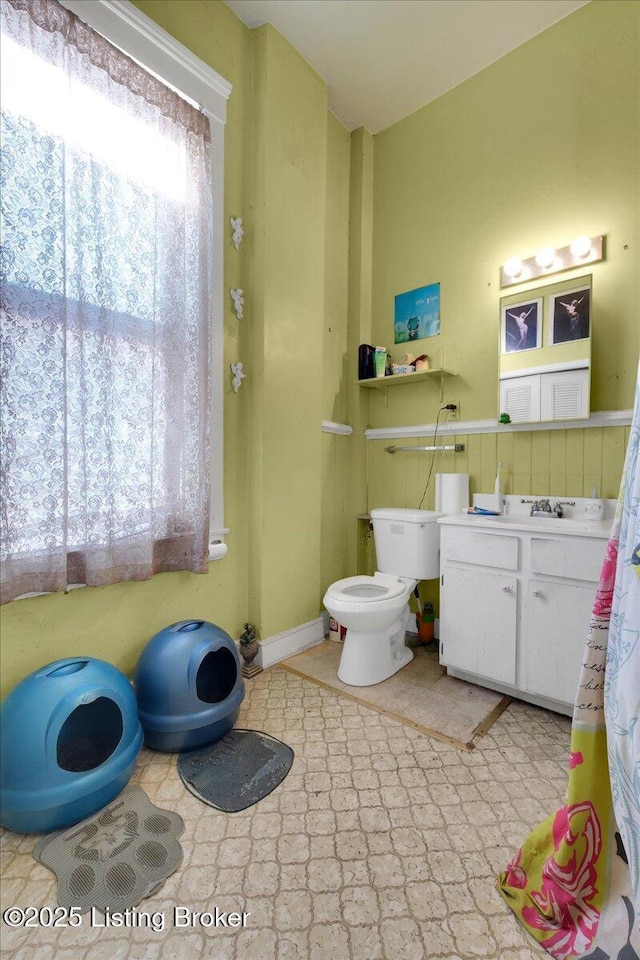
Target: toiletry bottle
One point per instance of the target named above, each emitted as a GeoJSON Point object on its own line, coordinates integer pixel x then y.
{"type": "Point", "coordinates": [425, 623]}
{"type": "Point", "coordinates": [365, 361]}
{"type": "Point", "coordinates": [498, 489]}
{"type": "Point", "coordinates": [380, 361]}
{"type": "Point", "coordinates": [593, 508]}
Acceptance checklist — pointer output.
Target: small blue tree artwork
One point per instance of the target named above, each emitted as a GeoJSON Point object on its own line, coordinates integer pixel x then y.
{"type": "Point", "coordinates": [417, 314]}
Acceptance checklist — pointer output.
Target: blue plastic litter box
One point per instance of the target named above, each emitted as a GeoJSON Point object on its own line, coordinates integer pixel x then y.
{"type": "Point", "coordinates": [189, 686]}
{"type": "Point", "coordinates": [70, 737]}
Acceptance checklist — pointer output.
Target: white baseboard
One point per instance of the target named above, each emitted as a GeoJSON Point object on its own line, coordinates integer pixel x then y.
{"type": "Point", "coordinates": [289, 642]}
{"type": "Point", "coordinates": [286, 644]}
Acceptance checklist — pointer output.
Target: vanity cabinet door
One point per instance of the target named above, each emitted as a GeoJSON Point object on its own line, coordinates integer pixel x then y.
{"type": "Point", "coordinates": [557, 622]}
{"type": "Point", "coordinates": [478, 622]}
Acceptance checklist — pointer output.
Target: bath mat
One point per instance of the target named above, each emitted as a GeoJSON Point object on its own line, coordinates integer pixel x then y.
{"type": "Point", "coordinates": [236, 771]}
{"type": "Point", "coordinates": [117, 857]}
{"type": "Point", "coordinates": [421, 694]}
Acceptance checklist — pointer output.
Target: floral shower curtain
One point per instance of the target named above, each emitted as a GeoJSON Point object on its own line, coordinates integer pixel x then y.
{"type": "Point", "coordinates": [575, 882]}
{"type": "Point", "coordinates": [106, 311]}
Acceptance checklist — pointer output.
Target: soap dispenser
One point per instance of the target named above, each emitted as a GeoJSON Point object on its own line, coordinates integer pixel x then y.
{"type": "Point", "coordinates": [594, 507]}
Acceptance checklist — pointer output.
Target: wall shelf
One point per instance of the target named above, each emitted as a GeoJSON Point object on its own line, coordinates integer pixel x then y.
{"type": "Point", "coordinates": [439, 374]}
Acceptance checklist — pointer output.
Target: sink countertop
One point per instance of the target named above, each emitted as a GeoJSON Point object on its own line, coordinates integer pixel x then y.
{"type": "Point", "coordinates": [599, 529]}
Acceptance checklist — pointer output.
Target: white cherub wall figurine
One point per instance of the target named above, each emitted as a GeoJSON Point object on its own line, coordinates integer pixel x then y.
{"type": "Point", "coordinates": [238, 230]}
{"type": "Point", "coordinates": [238, 376]}
{"type": "Point", "coordinates": [238, 302]}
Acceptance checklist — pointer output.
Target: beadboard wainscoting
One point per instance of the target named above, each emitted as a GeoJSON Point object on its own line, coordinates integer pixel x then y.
{"type": "Point", "coordinates": [563, 462]}
{"type": "Point", "coordinates": [568, 461]}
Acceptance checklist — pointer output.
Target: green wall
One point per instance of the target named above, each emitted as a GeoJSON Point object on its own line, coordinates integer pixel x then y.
{"type": "Point", "coordinates": [360, 311]}
{"type": "Point", "coordinates": [336, 449]}
{"type": "Point", "coordinates": [538, 148]}
{"type": "Point", "coordinates": [286, 314]}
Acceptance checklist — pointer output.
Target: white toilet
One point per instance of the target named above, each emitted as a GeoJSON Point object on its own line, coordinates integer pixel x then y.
{"type": "Point", "coordinates": [375, 610]}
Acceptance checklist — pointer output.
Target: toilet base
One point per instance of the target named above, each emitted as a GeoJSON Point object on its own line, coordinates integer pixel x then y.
{"type": "Point", "coordinates": [369, 657]}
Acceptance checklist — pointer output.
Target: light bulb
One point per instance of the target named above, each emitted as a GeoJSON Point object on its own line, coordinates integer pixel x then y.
{"type": "Point", "coordinates": [581, 247]}
{"type": "Point", "coordinates": [545, 257]}
{"type": "Point", "coordinates": [513, 267]}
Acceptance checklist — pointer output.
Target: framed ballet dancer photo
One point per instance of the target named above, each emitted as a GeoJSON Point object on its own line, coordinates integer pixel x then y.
{"type": "Point", "coordinates": [521, 326]}
{"type": "Point", "coordinates": [570, 314]}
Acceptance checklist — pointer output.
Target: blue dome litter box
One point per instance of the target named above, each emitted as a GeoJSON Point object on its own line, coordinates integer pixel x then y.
{"type": "Point", "coordinates": [70, 737]}
{"type": "Point", "coordinates": [189, 686]}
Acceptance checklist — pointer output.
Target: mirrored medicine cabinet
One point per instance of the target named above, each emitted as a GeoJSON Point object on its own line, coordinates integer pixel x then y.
{"type": "Point", "coordinates": [545, 352]}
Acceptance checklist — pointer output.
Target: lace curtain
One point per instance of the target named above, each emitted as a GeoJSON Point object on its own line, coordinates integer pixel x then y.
{"type": "Point", "coordinates": [106, 311]}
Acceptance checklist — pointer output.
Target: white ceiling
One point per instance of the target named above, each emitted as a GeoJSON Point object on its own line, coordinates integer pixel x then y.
{"type": "Point", "coordinates": [383, 59]}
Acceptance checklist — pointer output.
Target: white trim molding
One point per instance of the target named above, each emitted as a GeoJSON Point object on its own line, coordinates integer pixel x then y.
{"type": "Point", "coordinates": [342, 429]}
{"type": "Point", "coordinates": [547, 368]}
{"type": "Point", "coordinates": [286, 644]}
{"type": "Point", "coordinates": [139, 37]}
{"type": "Point", "coordinates": [599, 418]}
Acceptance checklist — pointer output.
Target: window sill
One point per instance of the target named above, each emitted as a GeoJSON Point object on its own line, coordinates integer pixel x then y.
{"type": "Point", "coordinates": [217, 550]}
{"type": "Point", "coordinates": [47, 593]}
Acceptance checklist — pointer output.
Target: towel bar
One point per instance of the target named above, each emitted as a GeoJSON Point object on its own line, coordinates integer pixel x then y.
{"type": "Point", "coordinates": [454, 447]}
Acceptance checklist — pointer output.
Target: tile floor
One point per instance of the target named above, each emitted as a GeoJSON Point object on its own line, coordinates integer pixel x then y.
{"type": "Point", "coordinates": [381, 843]}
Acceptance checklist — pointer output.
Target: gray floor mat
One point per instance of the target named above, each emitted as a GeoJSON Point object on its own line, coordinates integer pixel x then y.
{"type": "Point", "coordinates": [117, 857]}
{"type": "Point", "coordinates": [236, 771]}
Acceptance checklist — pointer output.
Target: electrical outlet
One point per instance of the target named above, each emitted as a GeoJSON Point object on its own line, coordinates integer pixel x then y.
{"type": "Point", "coordinates": [454, 414]}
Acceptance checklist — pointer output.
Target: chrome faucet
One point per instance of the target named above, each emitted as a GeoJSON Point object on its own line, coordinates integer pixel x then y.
{"type": "Point", "coordinates": [543, 506]}
{"type": "Point", "coordinates": [558, 507]}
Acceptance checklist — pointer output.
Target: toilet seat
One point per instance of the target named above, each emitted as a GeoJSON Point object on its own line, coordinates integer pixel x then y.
{"type": "Point", "coordinates": [365, 589]}
{"type": "Point", "coordinates": [375, 612]}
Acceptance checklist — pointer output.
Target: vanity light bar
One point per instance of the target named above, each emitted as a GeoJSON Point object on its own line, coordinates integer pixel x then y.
{"type": "Point", "coordinates": [547, 261]}
{"type": "Point", "coordinates": [453, 447]}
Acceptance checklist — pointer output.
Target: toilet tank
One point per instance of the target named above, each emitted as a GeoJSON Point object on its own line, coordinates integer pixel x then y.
{"type": "Point", "coordinates": [407, 542]}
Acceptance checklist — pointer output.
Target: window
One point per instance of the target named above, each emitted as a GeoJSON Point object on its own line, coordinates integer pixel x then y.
{"type": "Point", "coordinates": [111, 255]}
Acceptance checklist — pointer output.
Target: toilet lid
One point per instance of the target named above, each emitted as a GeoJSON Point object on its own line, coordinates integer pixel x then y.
{"type": "Point", "coordinates": [363, 589]}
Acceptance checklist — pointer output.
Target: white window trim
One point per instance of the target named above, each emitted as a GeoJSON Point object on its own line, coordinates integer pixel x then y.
{"type": "Point", "coordinates": [143, 40]}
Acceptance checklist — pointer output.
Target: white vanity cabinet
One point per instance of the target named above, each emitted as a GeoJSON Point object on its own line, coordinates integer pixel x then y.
{"type": "Point", "coordinates": [515, 607]}
{"type": "Point", "coordinates": [478, 604]}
